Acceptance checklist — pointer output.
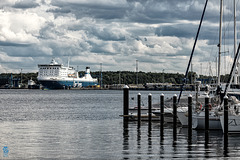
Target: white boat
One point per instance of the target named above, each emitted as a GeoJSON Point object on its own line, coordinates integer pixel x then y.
{"type": "Point", "coordinates": [233, 117]}
{"type": "Point", "coordinates": [182, 111]}
{"type": "Point", "coordinates": [168, 114]}
{"type": "Point", "coordinates": [214, 117]}
{"type": "Point", "coordinates": [199, 121]}
{"type": "Point", "coordinates": [198, 117]}
{"type": "Point", "coordinates": [56, 76]}
{"type": "Point", "coordinates": [32, 84]}
{"type": "Point", "coordinates": [183, 117]}
{"type": "Point", "coordinates": [233, 123]}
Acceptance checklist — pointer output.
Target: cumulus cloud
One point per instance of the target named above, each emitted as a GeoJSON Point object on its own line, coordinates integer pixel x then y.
{"type": "Point", "coordinates": [159, 34]}
{"type": "Point", "coordinates": [20, 27]}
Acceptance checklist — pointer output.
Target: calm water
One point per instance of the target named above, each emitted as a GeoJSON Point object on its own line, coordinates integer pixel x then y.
{"type": "Point", "coordinates": [85, 124]}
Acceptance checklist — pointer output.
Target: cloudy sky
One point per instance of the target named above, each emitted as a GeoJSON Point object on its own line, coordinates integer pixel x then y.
{"type": "Point", "coordinates": [158, 33]}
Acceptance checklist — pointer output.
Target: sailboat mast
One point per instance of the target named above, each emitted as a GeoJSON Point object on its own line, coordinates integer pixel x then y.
{"type": "Point", "coordinates": [235, 80]}
{"type": "Point", "coordinates": [220, 41]}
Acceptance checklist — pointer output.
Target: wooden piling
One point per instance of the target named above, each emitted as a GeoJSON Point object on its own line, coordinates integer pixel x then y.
{"type": "Point", "coordinates": [139, 110]}
{"type": "Point", "coordinates": [206, 120]}
{"type": "Point", "coordinates": [125, 103]}
{"type": "Point", "coordinates": [149, 112]}
{"type": "Point", "coordinates": [162, 114]}
{"type": "Point", "coordinates": [190, 118]}
{"type": "Point", "coordinates": [175, 117]}
{"type": "Point", "coordinates": [225, 123]}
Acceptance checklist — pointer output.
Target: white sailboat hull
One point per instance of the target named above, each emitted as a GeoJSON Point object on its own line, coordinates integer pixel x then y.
{"type": "Point", "coordinates": [199, 121]}
{"type": "Point", "coordinates": [183, 118]}
{"type": "Point", "coordinates": [233, 124]}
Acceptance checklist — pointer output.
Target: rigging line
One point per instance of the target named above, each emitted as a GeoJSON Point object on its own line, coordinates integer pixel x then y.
{"type": "Point", "coordinates": [199, 27]}
{"type": "Point", "coordinates": [193, 1]}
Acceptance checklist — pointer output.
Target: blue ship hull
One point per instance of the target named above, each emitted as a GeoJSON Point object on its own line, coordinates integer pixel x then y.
{"type": "Point", "coordinates": [64, 84]}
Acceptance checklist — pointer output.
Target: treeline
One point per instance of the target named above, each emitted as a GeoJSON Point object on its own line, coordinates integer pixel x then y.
{"type": "Point", "coordinates": [126, 77]}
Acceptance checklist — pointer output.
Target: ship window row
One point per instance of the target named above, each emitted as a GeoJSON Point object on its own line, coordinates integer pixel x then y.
{"type": "Point", "coordinates": [52, 71]}
{"type": "Point", "coordinates": [48, 74]}
{"type": "Point", "coordinates": [49, 68]}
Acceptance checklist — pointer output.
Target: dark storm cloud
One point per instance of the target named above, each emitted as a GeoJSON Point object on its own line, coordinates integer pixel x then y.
{"type": "Point", "coordinates": [25, 4]}
{"type": "Point", "coordinates": [108, 34]}
{"type": "Point", "coordinates": [155, 11]}
{"type": "Point", "coordinates": [151, 11]}
{"type": "Point", "coordinates": [181, 30]}
{"type": "Point", "coordinates": [2, 43]}
{"type": "Point", "coordinates": [59, 11]}
{"type": "Point", "coordinates": [27, 51]}
{"type": "Point", "coordinates": [188, 31]}
{"type": "Point", "coordinates": [98, 10]}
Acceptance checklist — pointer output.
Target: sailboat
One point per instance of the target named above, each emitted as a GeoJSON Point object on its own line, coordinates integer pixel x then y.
{"type": "Point", "coordinates": [233, 122]}
{"type": "Point", "coordinates": [233, 114]}
{"type": "Point", "coordinates": [214, 114]}
{"type": "Point", "coordinates": [182, 115]}
{"type": "Point", "coordinates": [234, 107]}
{"type": "Point", "coordinates": [217, 117]}
{"type": "Point", "coordinates": [199, 117]}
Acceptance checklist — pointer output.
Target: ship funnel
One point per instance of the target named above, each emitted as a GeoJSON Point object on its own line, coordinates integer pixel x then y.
{"type": "Point", "coordinates": [87, 73]}
{"type": "Point", "coordinates": [87, 70]}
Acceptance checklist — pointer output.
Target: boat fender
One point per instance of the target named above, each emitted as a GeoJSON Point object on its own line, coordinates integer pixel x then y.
{"type": "Point", "coordinates": [200, 106]}
{"type": "Point", "coordinates": [209, 107]}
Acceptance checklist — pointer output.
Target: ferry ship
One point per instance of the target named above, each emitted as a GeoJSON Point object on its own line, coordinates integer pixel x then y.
{"type": "Point", "coordinates": [56, 76]}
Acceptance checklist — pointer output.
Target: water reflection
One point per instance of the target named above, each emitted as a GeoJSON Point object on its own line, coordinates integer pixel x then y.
{"type": "Point", "coordinates": [86, 125]}
{"type": "Point", "coordinates": [125, 141]}
{"type": "Point", "coordinates": [139, 143]}
{"type": "Point", "coordinates": [150, 145]}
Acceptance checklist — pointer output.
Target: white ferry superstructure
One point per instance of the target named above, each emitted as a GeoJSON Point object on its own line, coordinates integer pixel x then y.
{"type": "Point", "coordinates": [56, 76]}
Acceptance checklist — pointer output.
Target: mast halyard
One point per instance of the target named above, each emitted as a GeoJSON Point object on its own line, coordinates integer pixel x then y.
{"type": "Point", "coordinates": [194, 45]}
